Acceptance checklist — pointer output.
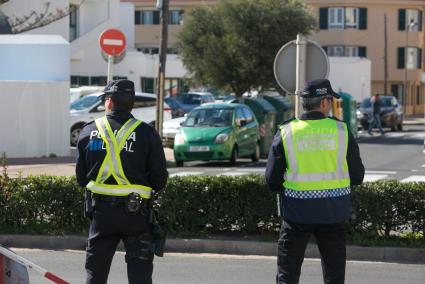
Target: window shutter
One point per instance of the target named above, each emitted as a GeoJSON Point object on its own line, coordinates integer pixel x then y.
{"type": "Point", "coordinates": [400, 58]}
{"type": "Point", "coordinates": [419, 64]}
{"type": "Point", "coordinates": [137, 18]}
{"type": "Point", "coordinates": [421, 15]}
{"type": "Point", "coordinates": [362, 51]}
{"type": "Point", "coordinates": [402, 19]}
{"type": "Point", "coordinates": [323, 18]}
{"type": "Point", "coordinates": [156, 17]}
{"type": "Point", "coordinates": [362, 18]}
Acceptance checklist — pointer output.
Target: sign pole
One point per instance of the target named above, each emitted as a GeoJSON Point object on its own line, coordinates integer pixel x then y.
{"type": "Point", "coordinates": [163, 5]}
{"type": "Point", "coordinates": [300, 67]}
{"type": "Point", "coordinates": [110, 67]}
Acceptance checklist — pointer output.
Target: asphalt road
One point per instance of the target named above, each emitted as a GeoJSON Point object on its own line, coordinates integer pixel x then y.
{"type": "Point", "coordinates": [214, 269]}
{"type": "Point", "coordinates": [397, 155]}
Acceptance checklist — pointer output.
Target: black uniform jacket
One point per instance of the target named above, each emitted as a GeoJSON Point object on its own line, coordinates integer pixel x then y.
{"type": "Point", "coordinates": [313, 211]}
{"type": "Point", "coordinates": [142, 156]}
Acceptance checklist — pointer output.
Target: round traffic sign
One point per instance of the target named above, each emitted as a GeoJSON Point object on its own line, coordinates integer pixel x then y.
{"type": "Point", "coordinates": [317, 65]}
{"type": "Point", "coordinates": [112, 42]}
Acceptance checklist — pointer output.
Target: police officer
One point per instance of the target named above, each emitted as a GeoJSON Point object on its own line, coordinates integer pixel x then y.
{"type": "Point", "coordinates": [120, 161]}
{"type": "Point", "coordinates": [313, 162]}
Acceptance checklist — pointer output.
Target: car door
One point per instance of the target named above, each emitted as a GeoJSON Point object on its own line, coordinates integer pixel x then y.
{"type": "Point", "coordinates": [242, 135]}
{"type": "Point", "coordinates": [252, 129]}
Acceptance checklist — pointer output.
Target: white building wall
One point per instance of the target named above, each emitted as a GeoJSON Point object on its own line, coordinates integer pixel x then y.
{"type": "Point", "coordinates": [351, 75]}
{"type": "Point", "coordinates": [34, 88]}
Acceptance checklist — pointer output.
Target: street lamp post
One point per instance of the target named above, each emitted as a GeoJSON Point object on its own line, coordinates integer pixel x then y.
{"type": "Point", "coordinates": [404, 96]}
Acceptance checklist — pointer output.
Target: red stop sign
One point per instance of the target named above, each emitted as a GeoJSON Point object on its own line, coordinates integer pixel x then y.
{"type": "Point", "coordinates": [112, 42]}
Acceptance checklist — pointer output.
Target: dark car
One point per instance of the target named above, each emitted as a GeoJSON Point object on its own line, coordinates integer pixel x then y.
{"type": "Point", "coordinates": [391, 113]}
{"type": "Point", "coordinates": [183, 103]}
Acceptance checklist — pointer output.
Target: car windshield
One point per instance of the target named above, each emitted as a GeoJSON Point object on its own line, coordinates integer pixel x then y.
{"type": "Point", "coordinates": [84, 102]}
{"type": "Point", "coordinates": [189, 99]}
{"type": "Point", "coordinates": [385, 102]}
{"type": "Point", "coordinates": [211, 117]}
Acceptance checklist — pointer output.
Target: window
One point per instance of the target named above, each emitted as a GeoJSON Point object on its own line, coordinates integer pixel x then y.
{"type": "Point", "coordinates": [73, 18]}
{"type": "Point", "coordinates": [411, 60]}
{"type": "Point", "coordinates": [248, 114]}
{"type": "Point", "coordinates": [407, 16]}
{"type": "Point", "coordinates": [345, 51]}
{"type": "Point", "coordinates": [148, 85]}
{"type": "Point", "coordinates": [336, 16]}
{"type": "Point", "coordinates": [351, 18]}
{"type": "Point", "coordinates": [175, 17]}
{"type": "Point", "coordinates": [148, 50]}
{"type": "Point", "coordinates": [98, 80]}
{"type": "Point", "coordinates": [146, 17]}
{"type": "Point", "coordinates": [342, 18]}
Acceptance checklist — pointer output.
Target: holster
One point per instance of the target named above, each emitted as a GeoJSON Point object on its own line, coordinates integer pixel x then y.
{"type": "Point", "coordinates": [159, 233]}
{"type": "Point", "coordinates": [88, 204]}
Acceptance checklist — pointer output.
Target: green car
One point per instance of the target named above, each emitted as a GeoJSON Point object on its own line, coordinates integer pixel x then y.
{"type": "Point", "coordinates": [218, 131]}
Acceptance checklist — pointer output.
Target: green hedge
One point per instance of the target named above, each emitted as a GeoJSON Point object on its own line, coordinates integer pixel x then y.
{"type": "Point", "coordinates": [387, 211]}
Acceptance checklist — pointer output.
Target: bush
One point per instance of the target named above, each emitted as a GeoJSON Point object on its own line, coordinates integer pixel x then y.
{"type": "Point", "coordinates": [387, 212]}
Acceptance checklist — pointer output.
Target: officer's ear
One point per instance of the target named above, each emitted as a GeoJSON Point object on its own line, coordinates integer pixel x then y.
{"type": "Point", "coordinates": [109, 104]}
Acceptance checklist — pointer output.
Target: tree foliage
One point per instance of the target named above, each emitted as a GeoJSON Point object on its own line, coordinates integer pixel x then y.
{"type": "Point", "coordinates": [233, 44]}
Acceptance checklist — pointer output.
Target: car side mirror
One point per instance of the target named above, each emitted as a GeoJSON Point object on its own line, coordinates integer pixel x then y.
{"type": "Point", "coordinates": [241, 122]}
{"type": "Point", "coordinates": [181, 123]}
{"type": "Point", "coordinates": [100, 108]}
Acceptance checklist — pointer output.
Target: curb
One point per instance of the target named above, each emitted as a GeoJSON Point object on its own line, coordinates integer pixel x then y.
{"type": "Point", "coordinates": [236, 247]}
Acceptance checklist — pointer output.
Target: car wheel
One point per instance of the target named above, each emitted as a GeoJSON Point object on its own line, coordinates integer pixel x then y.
{"type": "Point", "coordinates": [75, 134]}
{"type": "Point", "coordinates": [400, 126]}
{"type": "Point", "coordinates": [234, 156]}
{"type": "Point", "coordinates": [256, 155]}
{"type": "Point", "coordinates": [179, 163]}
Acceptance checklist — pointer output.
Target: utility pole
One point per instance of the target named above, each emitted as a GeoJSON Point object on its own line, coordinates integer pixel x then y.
{"type": "Point", "coordinates": [385, 56]}
{"type": "Point", "coordinates": [162, 5]}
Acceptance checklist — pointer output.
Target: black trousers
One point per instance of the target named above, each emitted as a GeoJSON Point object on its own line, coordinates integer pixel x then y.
{"type": "Point", "coordinates": [109, 225]}
{"type": "Point", "coordinates": [292, 243]}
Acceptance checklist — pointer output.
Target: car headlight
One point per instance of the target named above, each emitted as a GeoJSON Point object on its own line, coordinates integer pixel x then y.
{"type": "Point", "coordinates": [221, 138]}
{"type": "Point", "coordinates": [179, 139]}
{"type": "Point", "coordinates": [359, 114]}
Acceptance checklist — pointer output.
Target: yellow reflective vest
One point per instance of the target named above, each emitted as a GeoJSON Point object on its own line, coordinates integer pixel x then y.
{"type": "Point", "coordinates": [315, 152]}
{"type": "Point", "coordinates": [112, 165]}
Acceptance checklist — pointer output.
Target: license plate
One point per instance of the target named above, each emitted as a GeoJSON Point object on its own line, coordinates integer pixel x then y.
{"type": "Point", "coordinates": [199, 148]}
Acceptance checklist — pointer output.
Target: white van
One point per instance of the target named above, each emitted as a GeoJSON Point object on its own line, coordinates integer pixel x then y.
{"type": "Point", "coordinates": [90, 107]}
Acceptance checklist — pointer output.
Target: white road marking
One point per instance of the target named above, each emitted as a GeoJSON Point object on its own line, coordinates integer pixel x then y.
{"type": "Point", "coordinates": [232, 174]}
{"type": "Point", "coordinates": [255, 170]}
{"type": "Point", "coordinates": [368, 177]}
{"type": "Point", "coordinates": [381, 172]}
{"type": "Point", "coordinates": [413, 178]}
{"type": "Point", "coordinates": [184, 174]}
{"type": "Point", "coordinates": [117, 42]}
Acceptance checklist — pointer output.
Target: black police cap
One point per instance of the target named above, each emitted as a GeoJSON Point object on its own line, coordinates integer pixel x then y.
{"type": "Point", "coordinates": [318, 88]}
{"type": "Point", "coordinates": [121, 87]}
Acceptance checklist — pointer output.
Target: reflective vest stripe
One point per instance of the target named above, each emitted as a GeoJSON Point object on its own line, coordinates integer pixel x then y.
{"type": "Point", "coordinates": [121, 190]}
{"type": "Point", "coordinates": [297, 177]}
{"type": "Point", "coordinates": [342, 147]}
{"type": "Point", "coordinates": [287, 137]}
{"type": "Point", "coordinates": [112, 165]}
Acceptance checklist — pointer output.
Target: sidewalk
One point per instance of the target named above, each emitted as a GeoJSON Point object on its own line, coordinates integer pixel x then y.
{"type": "Point", "coordinates": [234, 247]}
{"type": "Point", "coordinates": [414, 120]}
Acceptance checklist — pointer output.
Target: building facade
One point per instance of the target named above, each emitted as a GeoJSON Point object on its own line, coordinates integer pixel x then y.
{"type": "Point", "coordinates": [357, 28]}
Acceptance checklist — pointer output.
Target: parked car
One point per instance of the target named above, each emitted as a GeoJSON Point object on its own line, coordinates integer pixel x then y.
{"type": "Point", "coordinates": [90, 107]}
{"type": "Point", "coordinates": [391, 113]}
{"type": "Point", "coordinates": [76, 93]}
{"type": "Point", "coordinates": [185, 102]}
{"type": "Point", "coordinates": [218, 132]}
{"type": "Point", "coordinates": [169, 130]}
